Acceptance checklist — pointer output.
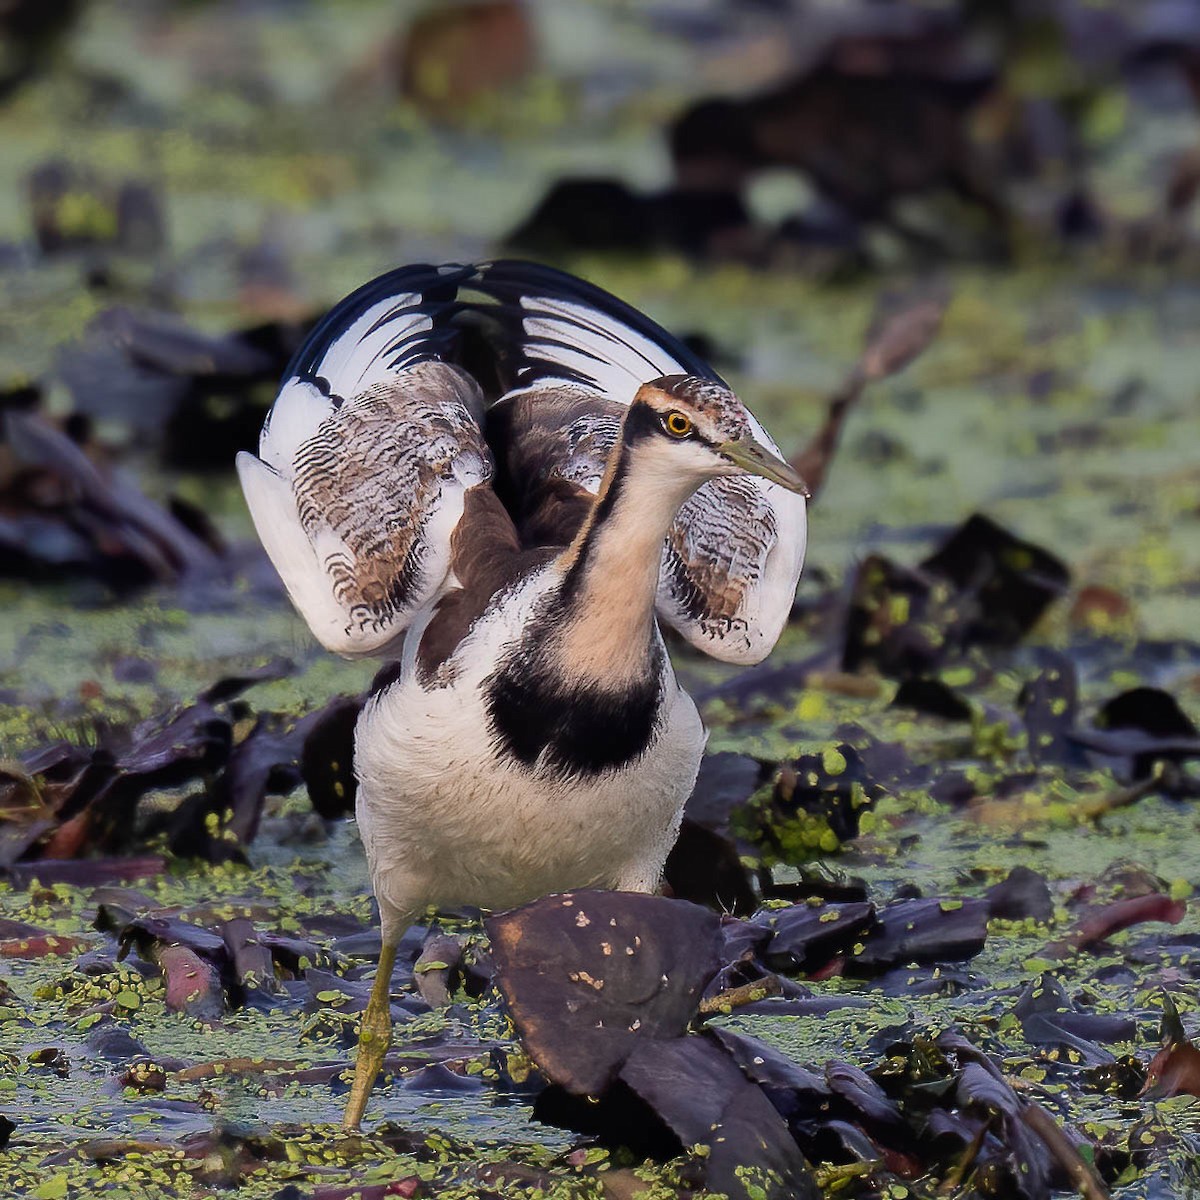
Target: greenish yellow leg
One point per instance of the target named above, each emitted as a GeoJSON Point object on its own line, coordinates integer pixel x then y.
{"type": "Point", "coordinates": [374, 1038]}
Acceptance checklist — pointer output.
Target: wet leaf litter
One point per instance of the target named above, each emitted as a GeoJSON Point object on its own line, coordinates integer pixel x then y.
{"type": "Point", "coordinates": [941, 853]}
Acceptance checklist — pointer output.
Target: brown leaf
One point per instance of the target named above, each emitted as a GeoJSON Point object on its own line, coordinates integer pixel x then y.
{"type": "Point", "coordinates": [1175, 1069]}
{"type": "Point", "coordinates": [588, 975]}
{"type": "Point", "coordinates": [1100, 923]}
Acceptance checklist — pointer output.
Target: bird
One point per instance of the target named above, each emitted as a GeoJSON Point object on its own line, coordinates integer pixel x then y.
{"type": "Point", "coordinates": [504, 481]}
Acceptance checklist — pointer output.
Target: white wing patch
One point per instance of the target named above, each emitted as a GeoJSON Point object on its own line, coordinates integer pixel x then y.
{"type": "Point", "coordinates": [364, 354]}
{"type": "Point", "coordinates": [295, 416]}
{"type": "Point", "coordinates": [615, 359]}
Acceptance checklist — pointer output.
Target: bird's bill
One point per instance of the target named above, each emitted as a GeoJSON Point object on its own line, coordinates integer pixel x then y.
{"type": "Point", "coordinates": [756, 459]}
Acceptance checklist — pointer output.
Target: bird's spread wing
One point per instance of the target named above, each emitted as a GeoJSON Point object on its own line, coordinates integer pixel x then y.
{"type": "Point", "coordinates": [376, 437]}
{"type": "Point", "coordinates": [365, 459]}
{"type": "Point", "coordinates": [576, 357]}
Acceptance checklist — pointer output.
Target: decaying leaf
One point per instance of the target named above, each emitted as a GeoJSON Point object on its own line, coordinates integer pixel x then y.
{"type": "Point", "coordinates": [1175, 1068]}
{"type": "Point", "coordinates": [621, 967]}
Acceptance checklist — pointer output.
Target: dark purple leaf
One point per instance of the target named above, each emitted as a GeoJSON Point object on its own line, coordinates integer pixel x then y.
{"type": "Point", "coordinates": [767, 1067]}
{"type": "Point", "coordinates": [1023, 894]}
{"type": "Point", "coordinates": [706, 863]}
{"type": "Point", "coordinates": [983, 586]}
{"type": "Point", "coordinates": [932, 697]}
{"type": "Point", "coordinates": [842, 1141]}
{"type": "Point", "coordinates": [148, 934]}
{"type": "Point", "coordinates": [1049, 706]}
{"type": "Point", "coordinates": [700, 1093]}
{"type": "Point", "coordinates": [253, 966]}
{"type": "Point", "coordinates": [439, 1078]}
{"type": "Point", "coordinates": [1049, 1018]}
{"type": "Point", "coordinates": [922, 931]}
{"type": "Point", "coordinates": [1143, 726]}
{"type": "Point", "coordinates": [1011, 581]}
{"type": "Point", "coordinates": [913, 645]}
{"type": "Point", "coordinates": [294, 954]}
{"type": "Point", "coordinates": [725, 782]}
{"type": "Point", "coordinates": [951, 1131]}
{"type": "Point", "coordinates": [865, 1098]}
{"type": "Point", "coordinates": [114, 1043]}
{"type": "Point", "coordinates": [231, 686]}
{"type": "Point", "coordinates": [707, 868]}
{"type": "Point", "coordinates": [1151, 710]}
{"type": "Point", "coordinates": [327, 757]}
{"type": "Point", "coordinates": [805, 937]}
{"type": "Point", "coordinates": [589, 975]}
{"type": "Point", "coordinates": [941, 979]}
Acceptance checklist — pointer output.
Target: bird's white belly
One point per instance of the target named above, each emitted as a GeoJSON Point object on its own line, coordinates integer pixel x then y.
{"type": "Point", "coordinates": [447, 821]}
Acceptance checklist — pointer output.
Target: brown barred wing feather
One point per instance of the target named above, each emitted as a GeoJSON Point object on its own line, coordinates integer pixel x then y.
{"type": "Point", "coordinates": [357, 504]}
{"type": "Point", "coordinates": [552, 443]}
{"type": "Point", "coordinates": [720, 584]}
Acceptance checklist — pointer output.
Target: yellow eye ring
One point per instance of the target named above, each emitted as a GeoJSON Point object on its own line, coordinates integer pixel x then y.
{"type": "Point", "coordinates": [678, 425]}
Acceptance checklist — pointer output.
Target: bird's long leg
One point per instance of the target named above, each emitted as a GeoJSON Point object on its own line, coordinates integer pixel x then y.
{"type": "Point", "coordinates": [374, 1038]}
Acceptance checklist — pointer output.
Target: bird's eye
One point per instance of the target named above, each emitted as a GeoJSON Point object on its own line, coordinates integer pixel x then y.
{"type": "Point", "coordinates": [677, 425]}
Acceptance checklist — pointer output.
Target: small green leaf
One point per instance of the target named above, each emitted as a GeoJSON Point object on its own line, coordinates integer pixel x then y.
{"type": "Point", "coordinates": [54, 1188]}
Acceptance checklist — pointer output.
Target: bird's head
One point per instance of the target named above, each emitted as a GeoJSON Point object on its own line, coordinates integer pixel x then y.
{"type": "Point", "coordinates": [697, 428]}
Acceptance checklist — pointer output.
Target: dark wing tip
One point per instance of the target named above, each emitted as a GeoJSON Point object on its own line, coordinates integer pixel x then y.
{"type": "Point", "coordinates": [438, 288]}
{"type": "Point", "coordinates": [508, 281]}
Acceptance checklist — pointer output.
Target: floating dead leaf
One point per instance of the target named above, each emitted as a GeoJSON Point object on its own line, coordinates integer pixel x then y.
{"type": "Point", "coordinates": [1140, 729]}
{"type": "Point", "coordinates": [1175, 1069]}
{"type": "Point", "coordinates": [699, 1092]}
{"type": "Point", "coordinates": [1102, 922]}
{"type": "Point", "coordinates": [927, 930]}
{"type": "Point", "coordinates": [65, 515]}
{"type": "Point", "coordinates": [327, 758]}
{"type": "Point", "coordinates": [253, 966]}
{"type": "Point", "coordinates": [1049, 1017]}
{"type": "Point", "coordinates": [805, 937]}
{"type": "Point", "coordinates": [587, 975]}
{"type": "Point", "coordinates": [1022, 894]}
{"type": "Point", "coordinates": [982, 587]}
{"type": "Point", "coordinates": [1049, 706]}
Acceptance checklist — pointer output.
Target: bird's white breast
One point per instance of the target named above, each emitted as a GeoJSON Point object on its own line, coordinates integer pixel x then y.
{"type": "Point", "coordinates": [447, 819]}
